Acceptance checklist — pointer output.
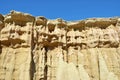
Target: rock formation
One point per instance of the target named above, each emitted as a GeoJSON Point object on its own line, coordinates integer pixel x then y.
{"type": "Point", "coordinates": [36, 48]}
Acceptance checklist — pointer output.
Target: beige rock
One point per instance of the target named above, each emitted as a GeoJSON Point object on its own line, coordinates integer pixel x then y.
{"type": "Point", "coordinates": [36, 48]}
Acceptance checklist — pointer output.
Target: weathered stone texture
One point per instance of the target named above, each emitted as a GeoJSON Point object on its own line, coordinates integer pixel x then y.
{"type": "Point", "coordinates": [36, 48]}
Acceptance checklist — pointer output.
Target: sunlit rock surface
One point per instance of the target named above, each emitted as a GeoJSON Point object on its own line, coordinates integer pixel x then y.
{"type": "Point", "coordinates": [36, 48]}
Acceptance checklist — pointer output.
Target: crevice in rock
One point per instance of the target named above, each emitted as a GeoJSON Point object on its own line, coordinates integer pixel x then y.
{"type": "Point", "coordinates": [46, 67]}
{"type": "Point", "coordinates": [66, 46]}
{"type": "Point", "coordinates": [98, 64]}
{"type": "Point", "coordinates": [32, 64]}
{"type": "Point", "coordinates": [0, 48]}
{"type": "Point", "coordinates": [32, 67]}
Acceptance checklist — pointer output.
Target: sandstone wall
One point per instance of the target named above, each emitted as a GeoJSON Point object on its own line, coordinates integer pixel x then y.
{"type": "Point", "coordinates": [36, 48]}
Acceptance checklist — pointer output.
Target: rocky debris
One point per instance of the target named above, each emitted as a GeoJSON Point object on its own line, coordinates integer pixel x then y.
{"type": "Point", "coordinates": [41, 20]}
{"type": "Point", "coordinates": [1, 21]}
{"type": "Point", "coordinates": [36, 48]}
{"type": "Point", "coordinates": [18, 18]}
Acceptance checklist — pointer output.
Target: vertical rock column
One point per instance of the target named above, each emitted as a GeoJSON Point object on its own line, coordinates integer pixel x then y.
{"type": "Point", "coordinates": [15, 42]}
{"type": "Point", "coordinates": [50, 37]}
{"type": "Point", "coordinates": [39, 51]}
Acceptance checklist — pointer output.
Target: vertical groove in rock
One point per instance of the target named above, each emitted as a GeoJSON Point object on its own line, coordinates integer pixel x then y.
{"type": "Point", "coordinates": [0, 48]}
{"type": "Point", "coordinates": [45, 63]}
{"type": "Point", "coordinates": [66, 46]}
{"type": "Point", "coordinates": [98, 64]}
{"type": "Point", "coordinates": [32, 64]}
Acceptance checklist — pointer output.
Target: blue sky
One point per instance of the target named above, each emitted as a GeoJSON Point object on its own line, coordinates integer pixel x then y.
{"type": "Point", "coordinates": [65, 9]}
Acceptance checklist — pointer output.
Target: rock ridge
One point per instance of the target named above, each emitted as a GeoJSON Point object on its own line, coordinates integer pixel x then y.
{"type": "Point", "coordinates": [37, 48]}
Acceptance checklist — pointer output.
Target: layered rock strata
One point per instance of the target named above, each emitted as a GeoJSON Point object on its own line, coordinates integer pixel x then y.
{"type": "Point", "coordinates": [36, 48]}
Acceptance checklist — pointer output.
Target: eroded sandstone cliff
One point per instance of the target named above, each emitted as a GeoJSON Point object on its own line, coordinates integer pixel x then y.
{"type": "Point", "coordinates": [36, 48]}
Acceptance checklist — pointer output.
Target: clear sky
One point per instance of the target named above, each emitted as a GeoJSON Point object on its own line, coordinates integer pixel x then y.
{"type": "Point", "coordinates": [65, 9]}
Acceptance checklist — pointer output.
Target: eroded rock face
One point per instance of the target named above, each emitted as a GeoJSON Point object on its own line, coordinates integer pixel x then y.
{"type": "Point", "coordinates": [36, 48]}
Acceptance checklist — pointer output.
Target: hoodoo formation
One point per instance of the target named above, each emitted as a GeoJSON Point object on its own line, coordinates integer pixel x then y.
{"type": "Point", "coordinates": [36, 48]}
